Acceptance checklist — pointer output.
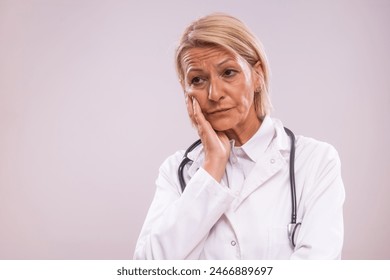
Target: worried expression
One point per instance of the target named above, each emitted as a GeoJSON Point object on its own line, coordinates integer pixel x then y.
{"type": "Point", "coordinates": [223, 83]}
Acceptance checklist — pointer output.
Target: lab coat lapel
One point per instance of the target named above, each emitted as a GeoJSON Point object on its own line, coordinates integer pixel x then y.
{"type": "Point", "coordinates": [269, 164]}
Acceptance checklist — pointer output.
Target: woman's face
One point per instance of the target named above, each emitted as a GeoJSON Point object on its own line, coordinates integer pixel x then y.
{"type": "Point", "coordinates": [223, 83]}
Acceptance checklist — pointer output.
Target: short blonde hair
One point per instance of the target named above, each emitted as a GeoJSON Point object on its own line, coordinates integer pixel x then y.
{"type": "Point", "coordinates": [228, 32]}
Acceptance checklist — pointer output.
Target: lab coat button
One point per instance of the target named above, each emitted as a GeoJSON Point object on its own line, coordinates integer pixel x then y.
{"type": "Point", "coordinates": [272, 161]}
{"type": "Point", "coordinates": [233, 243]}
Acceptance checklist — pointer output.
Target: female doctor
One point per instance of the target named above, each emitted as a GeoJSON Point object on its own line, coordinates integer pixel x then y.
{"type": "Point", "coordinates": [237, 199]}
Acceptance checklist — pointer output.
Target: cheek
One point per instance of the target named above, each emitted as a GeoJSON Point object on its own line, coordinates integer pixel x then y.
{"type": "Point", "coordinates": [200, 96]}
{"type": "Point", "coordinates": [249, 97]}
{"type": "Point", "coordinates": [245, 97]}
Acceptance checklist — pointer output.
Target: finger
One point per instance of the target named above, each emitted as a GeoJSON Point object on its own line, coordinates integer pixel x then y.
{"type": "Point", "coordinates": [198, 114]}
{"type": "Point", "coordinates": [202, 124]}
{"type": "Point", "coordinates": [190, 109]}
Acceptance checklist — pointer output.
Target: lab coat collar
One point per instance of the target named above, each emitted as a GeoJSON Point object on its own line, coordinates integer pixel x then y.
{"type": "Point", "coordinates": [260, 141]}
{"type": "Point", "coordinates": [276, 140]}
{"type": "Point", "coordinates": [281, 140]}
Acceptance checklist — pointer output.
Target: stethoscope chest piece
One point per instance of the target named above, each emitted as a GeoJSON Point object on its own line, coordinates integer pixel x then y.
{"type": "Point", "coordinates": [291, 230]}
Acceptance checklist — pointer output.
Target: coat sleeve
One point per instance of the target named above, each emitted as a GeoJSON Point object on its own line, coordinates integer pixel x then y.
{"type": "Point", "coordinates": [322, 231]}
{"type": "Point", "coordinates": [177, 225]}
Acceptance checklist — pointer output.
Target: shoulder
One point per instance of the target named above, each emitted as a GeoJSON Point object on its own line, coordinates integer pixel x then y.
{"type": "Point", "coordinates": [317, 159]}
{"type": "Point", "coordinates": [168, 172]}
{"type": "Point", "coordinates": [169, 169]}
{"type": "Point", "coordinates": [173, 161]}
{"type": "Point", "coordinates": [308, 147]}
{"type": "Point", "coordinates": [305, 147]}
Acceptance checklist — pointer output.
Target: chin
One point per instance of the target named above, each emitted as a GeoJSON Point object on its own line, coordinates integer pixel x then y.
{"type": "Point", "coordinates": [221, 124]}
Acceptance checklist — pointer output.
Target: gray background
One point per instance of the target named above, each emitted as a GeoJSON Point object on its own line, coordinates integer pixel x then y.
{"type": "Point", "coordinates": [90, 106]}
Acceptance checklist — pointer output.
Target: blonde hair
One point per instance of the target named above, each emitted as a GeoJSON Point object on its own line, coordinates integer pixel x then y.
{"type": "Point", "coordinates": [230, 33]}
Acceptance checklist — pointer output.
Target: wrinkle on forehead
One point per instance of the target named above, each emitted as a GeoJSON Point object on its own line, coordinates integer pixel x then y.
{"type": "Point", "coordinates": [197, 56]}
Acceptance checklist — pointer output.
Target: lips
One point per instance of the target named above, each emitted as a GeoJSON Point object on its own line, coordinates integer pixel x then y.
{"type": "Point", "coordinates": [222, 110]}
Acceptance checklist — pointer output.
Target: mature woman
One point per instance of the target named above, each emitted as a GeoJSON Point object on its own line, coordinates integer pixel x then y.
{"type": "Point", "coordinates": [234, 197]}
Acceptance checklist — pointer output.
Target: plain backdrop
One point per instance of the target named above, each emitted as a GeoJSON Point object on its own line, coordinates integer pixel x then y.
{"type": "Point", "coordinates": [90, 106]}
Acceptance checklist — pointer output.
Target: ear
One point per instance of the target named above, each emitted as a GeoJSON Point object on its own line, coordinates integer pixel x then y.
{"type": "Point", "coordinates": [181, 81]}
{"type": "Point", "coordinates": [258, 76]}
{"type": "Point", "coordinates": [258, 69]}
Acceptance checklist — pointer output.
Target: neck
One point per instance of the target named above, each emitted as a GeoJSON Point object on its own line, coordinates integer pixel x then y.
{"type": "Point", "coordinates": [243, 133]}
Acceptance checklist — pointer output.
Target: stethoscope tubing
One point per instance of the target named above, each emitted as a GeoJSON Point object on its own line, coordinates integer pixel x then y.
{"type": "Point", "coordinates": [184, 162]}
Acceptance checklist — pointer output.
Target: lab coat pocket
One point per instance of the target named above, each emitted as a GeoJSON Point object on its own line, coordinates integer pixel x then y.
{"type": "Point", "coordinates": [278, 243]}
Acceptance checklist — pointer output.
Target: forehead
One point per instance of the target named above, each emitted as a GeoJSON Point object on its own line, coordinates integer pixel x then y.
{"type": "Point", "coordinates": [201, 56]}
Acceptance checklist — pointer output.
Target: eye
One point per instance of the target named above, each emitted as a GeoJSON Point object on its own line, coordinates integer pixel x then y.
{"type": "Point", "coordinates": [229, 73]}
{"type": "Point", "coordinates": [196, 81]}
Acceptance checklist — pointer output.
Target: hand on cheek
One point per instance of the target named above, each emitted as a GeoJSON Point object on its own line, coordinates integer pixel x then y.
{"type": "Point", "coordinates": [216, 144]}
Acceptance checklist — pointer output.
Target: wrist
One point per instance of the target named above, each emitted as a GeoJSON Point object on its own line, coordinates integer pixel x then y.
{"type": "Point", "coordinates": [215, 168]}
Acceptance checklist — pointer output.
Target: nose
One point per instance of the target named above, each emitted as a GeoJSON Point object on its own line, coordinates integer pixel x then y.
{"type": "Point", "coordinates": [215, 90]}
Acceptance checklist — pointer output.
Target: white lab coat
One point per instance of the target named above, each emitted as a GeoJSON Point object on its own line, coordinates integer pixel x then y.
{"type": "Point", "coordinates": [209, 221]}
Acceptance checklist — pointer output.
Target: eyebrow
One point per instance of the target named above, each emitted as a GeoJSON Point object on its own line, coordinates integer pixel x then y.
{"type": "Point", "coordinates": [195, 69]}
{"type": "Point", "coordinates": [224, 61]}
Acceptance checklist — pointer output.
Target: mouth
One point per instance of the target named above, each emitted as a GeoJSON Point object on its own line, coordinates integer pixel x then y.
{"type": "Point", "coordinates": [218, 111]}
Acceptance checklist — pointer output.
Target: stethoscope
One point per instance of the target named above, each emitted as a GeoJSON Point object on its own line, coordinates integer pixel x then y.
{"type": "Point", "coordinates": [292, 227]}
